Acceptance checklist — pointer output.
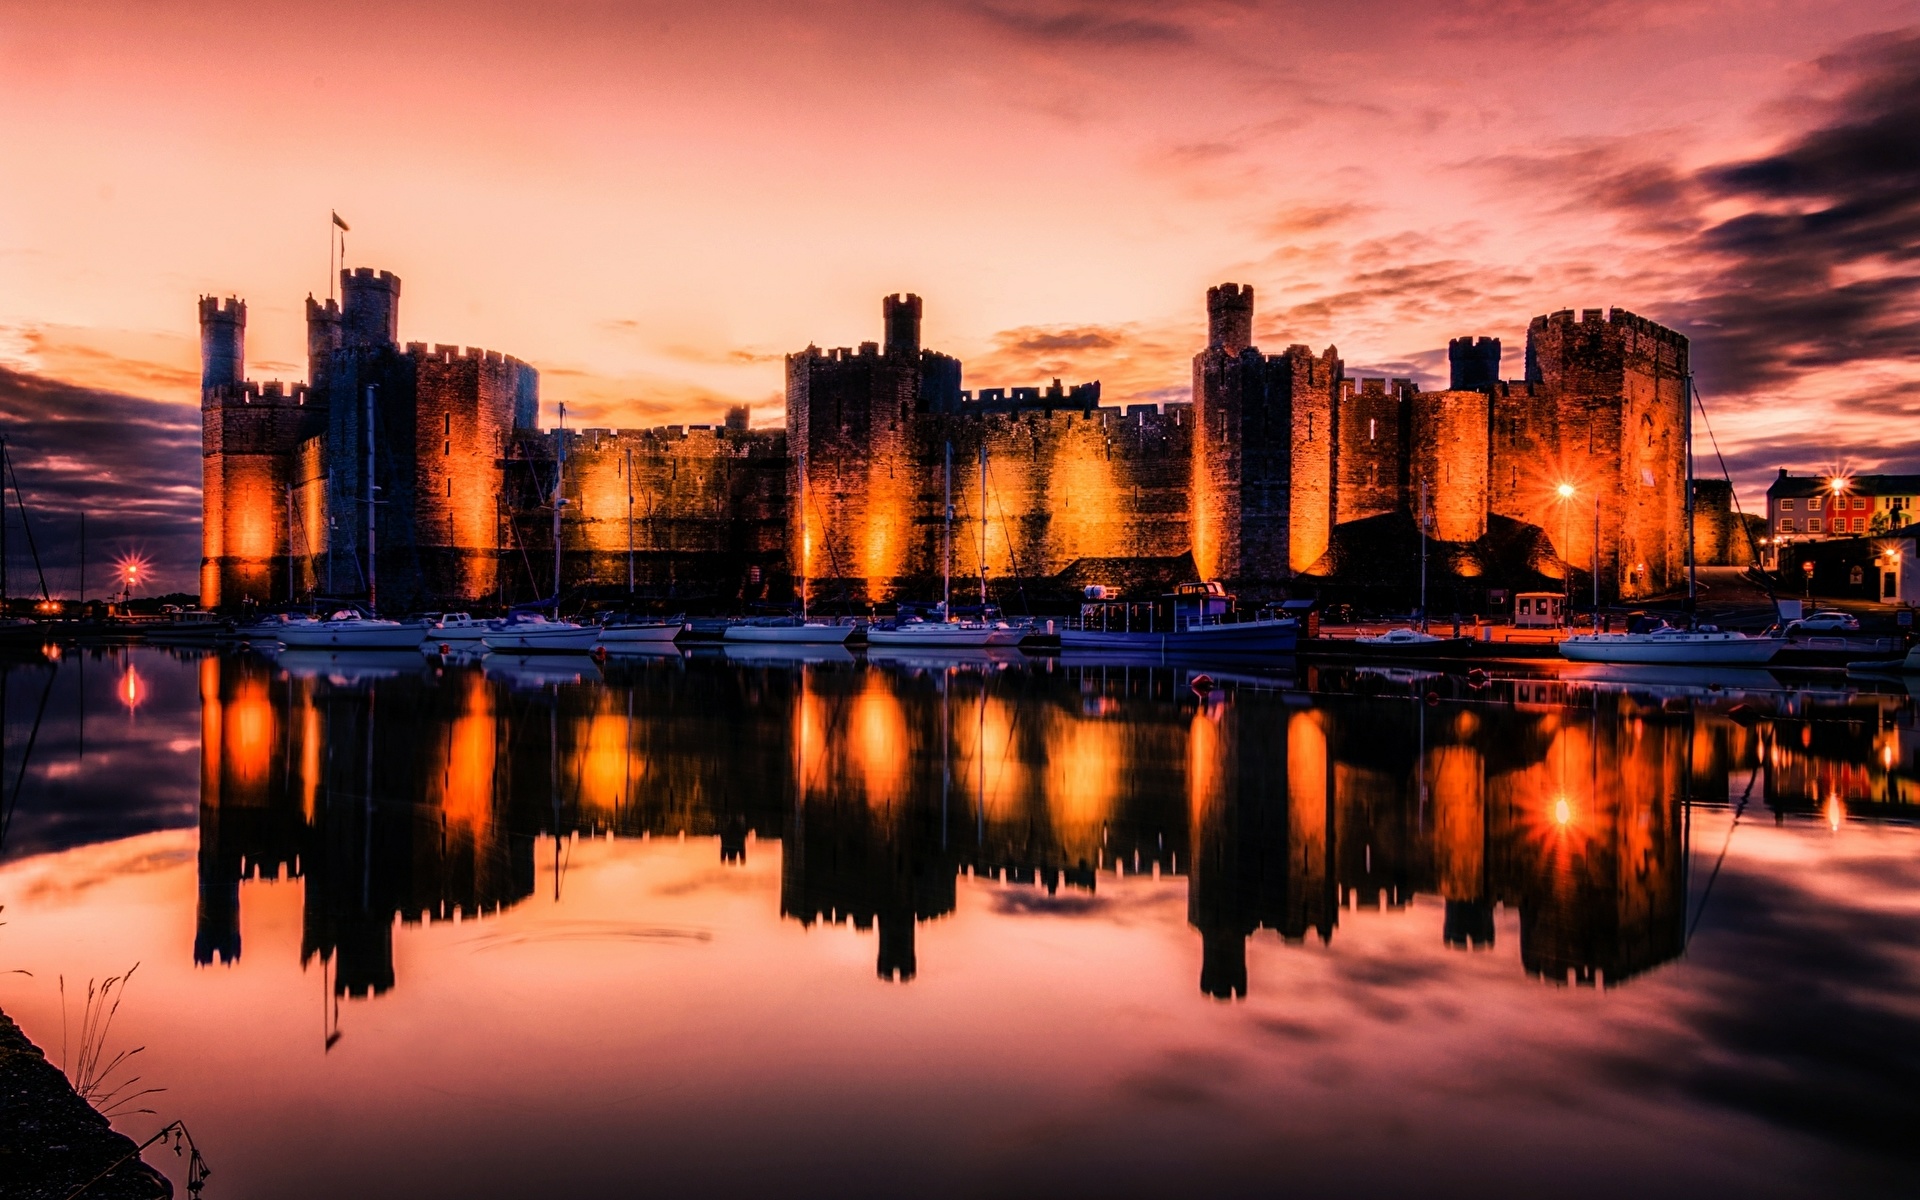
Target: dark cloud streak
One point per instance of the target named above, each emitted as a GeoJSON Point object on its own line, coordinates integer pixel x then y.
{"type": "Point", "coordinates": [132, 465]}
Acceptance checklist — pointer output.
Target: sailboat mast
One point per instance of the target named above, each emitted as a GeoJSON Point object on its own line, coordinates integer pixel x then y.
{"type": "Point", "coordinates": [806, 542]}
{"type": "Point", "coordinates": [946, 547]}
{"type": "Point", "coordinates": [373, 600]}
{"type": "Point", "coordinates": [1692, 573]}
{"type": "Point", "coordinates": [629, 520]}
{"type": "Point", "coordinates": [983, 530]}
{"type": "Point", "coordinates": [559, 495]}
{"type": "Point", "coordinates": [1423, 554]}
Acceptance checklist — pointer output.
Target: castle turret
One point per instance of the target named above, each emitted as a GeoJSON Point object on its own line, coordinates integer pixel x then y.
{"type": "Point", "coordinates": [903, 325]}
{"type": "Point", "coordinates": [370, 315]}
{"type": "Point", "coordinates": [223, 342]}
{"type": "Point", "coordinates": [1475, 362]}
{"type": "Point", "coordinates": [323, 338]}
{"type": "Point", "coordinates": [1230, 317]}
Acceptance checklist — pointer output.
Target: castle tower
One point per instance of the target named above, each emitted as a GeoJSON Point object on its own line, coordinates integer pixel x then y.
{"type": "Point", "coordinates": [247, 433]}
{"type": "Point", "coordinates": [223, 342]}
{"type": "Point", "coordinates": [370, 315]}
{"type": "Point", "coordinates": [1263, 449]}
{"type": "Point", "coordinates": [1603, 411]}
{"type": "Point", "coordinates": [1475, 363]}
{"type": "Point", "coordinates": [902, 314]}
{"type": "Point", "coordinates": [1230, 317]}
{"type": "Point", "coordinates": [324, 336]}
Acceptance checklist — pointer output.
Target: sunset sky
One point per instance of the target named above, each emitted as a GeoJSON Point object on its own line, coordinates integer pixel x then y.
{"type": "Point", "coordinates": [651, 203]}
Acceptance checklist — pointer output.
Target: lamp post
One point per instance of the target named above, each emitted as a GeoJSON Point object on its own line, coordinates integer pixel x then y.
{"type": "Point", "coordinates": [1565, 492]}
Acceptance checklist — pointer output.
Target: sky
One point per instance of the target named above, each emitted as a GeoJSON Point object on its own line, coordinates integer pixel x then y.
{"type": "Point", "coordinates": [652, 203]}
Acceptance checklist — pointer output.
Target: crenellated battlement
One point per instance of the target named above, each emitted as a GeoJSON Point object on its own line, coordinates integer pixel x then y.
{"type": "Point", "coordinates": [231, 308]}
{"type": "Point", "coordinates": [368, 277]}
{"type": "Point", "coordinates": [1080, 397]}
{"type": "Point", "coordinates": [1617, 318]}
{"type": "Point", "coordinates": [1230, 317]}
{"type": "Point", "coordinates": [420, 351]}
{"type": "Point", "coordinates": [250, 393]}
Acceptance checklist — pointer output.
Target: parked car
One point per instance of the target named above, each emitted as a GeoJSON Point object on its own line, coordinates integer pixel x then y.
{"type": "Point", "coordinates": [1825, 621]}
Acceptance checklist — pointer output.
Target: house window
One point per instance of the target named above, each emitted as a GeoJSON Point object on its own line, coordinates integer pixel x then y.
{"type": "Point", "coordinates": [1786, 526]}
{"type": "Point", "coordinates": [1856, 576]}
{"type": "Point", "coordinates": [1859, 503]}
{"type": "Point", "coordinates": [1786, 506]}
{"type": "Point", "coordinates": [1813, 504]}
{"type": "Point", "coordinates": [1813, 524]}
{"type": "Point", "coordinates": [1859, 524]}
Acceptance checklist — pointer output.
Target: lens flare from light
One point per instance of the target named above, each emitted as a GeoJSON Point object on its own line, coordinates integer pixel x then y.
{"type": "Point", "coordinates": [1562, 813]}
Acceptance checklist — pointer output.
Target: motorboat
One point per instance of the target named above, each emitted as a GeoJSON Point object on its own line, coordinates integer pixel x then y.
{"type": "Point", "coordinates": [961, 635]}
{"type": "Point", "coordinates": [619, 633]}
{"type": "Point", "coordinates": [532, 633]}
{"type": "Point", "coordinates": [1193, 619]}
{"type": "Point", "coordinates": [344, 629]}
{"type": "Point", "coordinates": [1396, 644]}
{"type": "Point", "coordinates": [788, 631]}
{"type": "Point", "coordinates": [457, 628]}
{"type": "Point", "coordinates": [1705, 645]}
{"type": "Point", "coordinates": [1404, 636]}
{"type": "Point", "coordinates": [1910, 665]}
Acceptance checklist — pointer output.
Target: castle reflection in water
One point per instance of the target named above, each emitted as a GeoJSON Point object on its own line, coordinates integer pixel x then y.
{"type": "Point", "coordinates": [417, 791]}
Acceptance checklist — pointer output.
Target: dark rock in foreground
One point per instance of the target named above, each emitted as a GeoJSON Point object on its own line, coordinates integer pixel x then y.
{"type": "Point", "coordinates": [52, 1141]}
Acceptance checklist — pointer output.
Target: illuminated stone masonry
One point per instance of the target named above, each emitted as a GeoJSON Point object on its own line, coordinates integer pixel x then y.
{"type": "Point", "coordinates": [1281, 471]}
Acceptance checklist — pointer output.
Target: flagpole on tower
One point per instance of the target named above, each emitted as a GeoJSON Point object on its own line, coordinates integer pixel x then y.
{"type": "Point", "coordinates": [333, 270]}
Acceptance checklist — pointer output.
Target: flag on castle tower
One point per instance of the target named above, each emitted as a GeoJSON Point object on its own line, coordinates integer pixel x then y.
{"type": "Point", "coordinates": [339, 222]}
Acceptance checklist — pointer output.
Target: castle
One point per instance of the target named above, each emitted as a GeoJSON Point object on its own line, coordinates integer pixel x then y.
{"type": "Point", "coordinates": [1281, 471]}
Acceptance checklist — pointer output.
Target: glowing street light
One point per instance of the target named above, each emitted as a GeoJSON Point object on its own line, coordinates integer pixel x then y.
{"type": "Point", "coordinates": [1566, 491]}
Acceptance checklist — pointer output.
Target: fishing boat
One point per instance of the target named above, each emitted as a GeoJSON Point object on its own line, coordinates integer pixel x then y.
{"type": "Point", "coordinates": [532, 633]}
{"type": "Point", "coordinates": [1701, 645]}
{"type": "Point", "coordinates": [966, 635]}
{"type": "Point", "coordinates": [1193, 619]}
{"type": "Point", "coordinates": [789, 631]}
{"type": "Point", "coordinates": [345, 628]}
{"type": "Point", "coordinates": [620, 632]}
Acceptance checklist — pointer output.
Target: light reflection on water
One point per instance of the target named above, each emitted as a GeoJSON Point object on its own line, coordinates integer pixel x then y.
{"type": "Point", "coordinates": [719, 923]}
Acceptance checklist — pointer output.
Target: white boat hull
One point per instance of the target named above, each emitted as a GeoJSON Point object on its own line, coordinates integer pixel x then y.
{"type": "Point", "coordinates": [327, 635]}
{"type": "Point", "coordinates": [932, 635]}
{"type": "Point", "coordinates": [539, 639]}
{"type": "Point", "coordinates": [791, 635]}
{"type": "Point", "coordinates": [1244, 637]}
{"type": "Point", "coordinates": [627, 635]}
{"type": "Point", "coordinates": [1729, 649]}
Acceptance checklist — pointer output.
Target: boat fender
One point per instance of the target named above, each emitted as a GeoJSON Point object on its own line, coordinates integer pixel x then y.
{"type": "Point", "coordinates": [598, 654]}
{"type": "Point", "coordinates": [1477, 677]}
{"type": "Point", "coordinates": [445, 648]}
{"type": "Point", "coordinates": [1201, 684]}
{"type": "Point", "coordinates": [1433, 699]}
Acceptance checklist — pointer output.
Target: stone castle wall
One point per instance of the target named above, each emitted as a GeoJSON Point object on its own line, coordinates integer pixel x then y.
{"type": "Point", "coordinates": [1247, 484]}
{"type": "Point", "coordinates": [703, 508]}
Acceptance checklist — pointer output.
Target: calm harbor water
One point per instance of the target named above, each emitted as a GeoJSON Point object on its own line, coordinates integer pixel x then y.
{"type": "Point", "coordinates": [761, 925]}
